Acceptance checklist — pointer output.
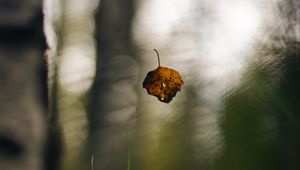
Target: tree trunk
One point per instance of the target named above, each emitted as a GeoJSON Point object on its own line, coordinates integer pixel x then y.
{"type": "Point", "coordinates": [111, 102]}
{"type": "Point", "coordinates": [23, 87]}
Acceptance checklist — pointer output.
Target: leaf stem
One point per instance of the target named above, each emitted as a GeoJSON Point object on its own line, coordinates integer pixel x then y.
{"type": "Point", "coordinates": [157, 57]}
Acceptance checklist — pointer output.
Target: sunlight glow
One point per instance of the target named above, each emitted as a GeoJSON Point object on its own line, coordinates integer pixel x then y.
{"type": "Point", "coordinates": [240, 18]}
{"type": "Point", "coordinates": [77, 70]}
{"type": "Point", "coordinates": [235, 31]}
{"type": "Point", "coordinates": [77, 65]}
{"type": "Point", "coordinates": [155, 20]}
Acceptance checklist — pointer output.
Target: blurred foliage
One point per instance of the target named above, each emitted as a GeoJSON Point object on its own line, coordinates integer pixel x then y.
{"type": "Point", "coordinates": [261, 115]}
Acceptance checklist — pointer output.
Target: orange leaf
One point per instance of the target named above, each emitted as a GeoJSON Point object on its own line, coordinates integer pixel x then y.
{"type": "Point", "coordinates": [163, 83]}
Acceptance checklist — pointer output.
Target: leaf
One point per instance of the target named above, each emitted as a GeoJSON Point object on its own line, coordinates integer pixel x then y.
{"type": "Point", "coordinates": [163, 83]}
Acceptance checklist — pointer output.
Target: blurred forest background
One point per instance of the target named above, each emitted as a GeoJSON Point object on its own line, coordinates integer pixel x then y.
{"type": "Point", "coordinates": [239, 106]}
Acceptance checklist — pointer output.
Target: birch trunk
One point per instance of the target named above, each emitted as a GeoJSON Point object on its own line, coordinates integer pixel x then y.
{"type": "Point", "coordinates": [23, 90]}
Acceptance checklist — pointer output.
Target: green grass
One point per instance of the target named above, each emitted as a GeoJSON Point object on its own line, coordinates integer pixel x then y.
{"type": "Point", "coordinates": [129, 161]}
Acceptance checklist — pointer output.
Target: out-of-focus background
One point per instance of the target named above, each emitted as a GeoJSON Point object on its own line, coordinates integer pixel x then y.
{"type": "Point", "coordinates": [238, 108]}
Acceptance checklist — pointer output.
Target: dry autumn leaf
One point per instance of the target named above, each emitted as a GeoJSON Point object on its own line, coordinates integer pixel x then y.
{"type": "Point", "coordinates": [163, 82]}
